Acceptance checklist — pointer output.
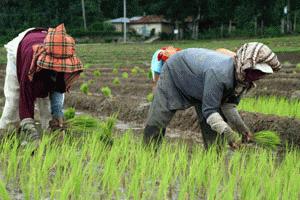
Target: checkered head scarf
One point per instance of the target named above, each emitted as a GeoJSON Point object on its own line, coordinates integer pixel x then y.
{"type": "Point", "coordinates": [254, 53]}
{"type": "Point", "coordinates": [57, 53]}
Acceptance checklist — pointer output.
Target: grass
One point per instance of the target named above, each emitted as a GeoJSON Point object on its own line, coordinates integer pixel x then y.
{"type": "Point", "coordinates": [86, 168]}
{"type": "Point", "coordinates": [150, 97]}
{"type": "Point", "coordinates": [267, 139]}
{"type": "Point", "coordinates": [279, 106]}
{"type": "Point", "coordinates": [138, 54]}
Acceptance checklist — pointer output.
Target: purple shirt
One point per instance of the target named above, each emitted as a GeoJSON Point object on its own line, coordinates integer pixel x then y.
{"type": "Point", "coordinates": [30, 90]}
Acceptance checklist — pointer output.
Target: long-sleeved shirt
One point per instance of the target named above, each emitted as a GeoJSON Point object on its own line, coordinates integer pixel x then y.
{"type": "Point", "coordinates": [200, 76]}
{"type": "Point", "coordinates": [41, 84]}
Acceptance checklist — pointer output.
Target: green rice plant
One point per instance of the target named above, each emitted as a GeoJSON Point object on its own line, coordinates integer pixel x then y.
{"type": "Point", "coordinates": [115, 71]}
{"type": "Point", "coordinates": [69, 113]}
{"type": "Point", "coordinates": [82, 75]}
{"type": "Point", "coordinates": [83, 124]}
{"type": "Point", "coordinates": [125, 75]}
{"type": "Point", "coordinates": [106, 91]}
{"type": "Point", "coordinates": [90, 82]}
{"type": "Point", "coordinates": [87, 65]}
{"type": "Point", "coordinates": [135, 71]}
{"type": "Point", "coordinates": [3, 192]}
{"type": "Point", "coordinates": [149, 75]}
{"type": "Point", "coordinates": [298, 66]}
{"type": "Point", "coordinates": [268, 139]}
{"type": "Point", "coordinates": [116, 81]}
{"type": "Point", "coordinates": [271, 105]}
{"type": "Point", "coordinates": [84, 88]}
{"type": "Point", "coordinates": [97, 73]}
{"type": "Point", "coordinates": [150, 97]}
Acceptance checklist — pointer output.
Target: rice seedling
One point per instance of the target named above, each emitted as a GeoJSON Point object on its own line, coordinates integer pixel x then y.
{"type": "Point", "coordinates": [69, 113]}
{"type": "Point", "coordinates": [87, 65]}
{"type": "Point", "coordinates": [135, 70]}
{"type": "Point", "coordinates": [149, 75]}
{"type": "Point", "coordinates": [115, 71]}
{"type": "Point", "coordinates": [84, 88]}
{"type": "Point", "coordinates": [3, 192]}
{"type": "Point", "coordinates": [90, 82]}
{"type": "Point", "coordinates": [82, 75]}
{"type": "Point", "coordinates": [268, 139]}
{"type": "Point", "coordinates": [106, 91]}
{"type": "Point", "coordinates": [271, 105]}
{"type": "Point", "coordinates": [125, 75]}
{"type": "Point", "coordinates": [116, 81]}
{"type": "Point", "coordinates": [86, 168]}
{"type": "Point", "coordinates": [150, 97]}
{"type": "Point", "coordinates": [83, 124]}
{"type": "Point", "coordinates": [97, 73]}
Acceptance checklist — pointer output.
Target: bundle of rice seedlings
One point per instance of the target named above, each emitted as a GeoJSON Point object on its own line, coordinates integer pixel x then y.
{"type": "Point", "coordinates": [83, 123]}
{"type": "Point", "coordinates": [268, 139]}
{"type": "Point", "coordinates": [69, 113]}
{"type": "Point", "coordinates": [86, 124]}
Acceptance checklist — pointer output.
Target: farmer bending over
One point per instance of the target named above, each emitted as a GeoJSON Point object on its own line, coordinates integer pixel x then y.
{"type": "Point", "coordinates": [40, 63]}
{"type": "Point", "coordinates": [158, 60]}
{"type": "Point", "coordinates": [212, 82]}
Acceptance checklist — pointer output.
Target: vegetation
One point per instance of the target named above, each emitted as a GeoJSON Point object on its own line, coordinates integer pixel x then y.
{"type": "Point", "coordinates": [150, 97]}
{"type": "Point", "coordinates": [69, 113]}
{"type": "Point", "coordinates": [271, 105]}
{"type": "Point", "coordinates": [125, 75]}
{"type": "Point", "coordinates": [84, 88]}
{"type": "Point", "coordinates": [86, 168]}
{"type": "Point", "coordinates": [116, 81]}
{"type": "Point", "coordinates": [267, 139]}
{"type": "Point", "coordinates": [97, 73]}
{"type": "Point", "coordinates": [106, 91]}
{"type": "Point", "coordinates": [109, 55]}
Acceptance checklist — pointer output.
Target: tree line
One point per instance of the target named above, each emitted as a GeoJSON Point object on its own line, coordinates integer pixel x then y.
{"type": "Point", "coordinates": [216, 18]}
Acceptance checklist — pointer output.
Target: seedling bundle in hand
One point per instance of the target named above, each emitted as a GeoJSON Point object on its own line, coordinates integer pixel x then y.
{"type": "Point", "coordinates": [267, 139]}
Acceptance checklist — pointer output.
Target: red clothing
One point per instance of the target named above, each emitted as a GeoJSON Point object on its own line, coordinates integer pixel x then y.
{"type": "Point", "coordinates": [39, 87]}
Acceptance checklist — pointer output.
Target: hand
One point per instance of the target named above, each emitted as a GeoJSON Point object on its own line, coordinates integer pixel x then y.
{"type": "Point", "coordinates": [247, 137]}
{"type": "Point", "coordinates": [232, 137]}
{"type": "Point", "coordinates": [56, 124]}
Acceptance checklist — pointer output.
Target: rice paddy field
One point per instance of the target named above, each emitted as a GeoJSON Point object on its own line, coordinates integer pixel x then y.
{"type": "Point", "coordinates": [101, 155]}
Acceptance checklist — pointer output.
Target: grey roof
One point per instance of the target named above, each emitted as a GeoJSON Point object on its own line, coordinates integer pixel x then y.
{"type": "Point", "coordinates": [119, 20]}
{"type": "Point", "coordinates": [122, 19]}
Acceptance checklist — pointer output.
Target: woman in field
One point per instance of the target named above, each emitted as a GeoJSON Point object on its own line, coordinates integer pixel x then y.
{"type": "Point", "coordinates": [213, 82]}
{"type": "Point", "coordinates": [41, 63]}
{"type": "Point", "coordinates": [158, 60]}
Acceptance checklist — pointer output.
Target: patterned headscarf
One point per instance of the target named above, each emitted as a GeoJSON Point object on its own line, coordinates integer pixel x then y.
{"type": "Point", "coordinates": [57, 53]}
{"type": "Point", "coordinates": [254, 53]}
{"type": "Point", "coordinates": [167, 52]}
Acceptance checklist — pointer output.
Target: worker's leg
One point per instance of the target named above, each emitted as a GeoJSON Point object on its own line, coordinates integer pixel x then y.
{"type": "Point", "coordinates": [44, 110]}
{"type": "Point", "coordinates": [10, 113]}
{"type": "Point", "coordinates": [159, 117]}
{"type": "Point", "coordinates": [209, 136]}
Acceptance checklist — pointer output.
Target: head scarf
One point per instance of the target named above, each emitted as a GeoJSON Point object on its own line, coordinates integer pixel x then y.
{"type": "Point", "coordinates": [167, 52]}
{"type": "Point", "coordinates": [247, 57]}
{"type": "Point", "coordinates": [254, 53]}
{"type": "Point", "coordinates": [57, 53]}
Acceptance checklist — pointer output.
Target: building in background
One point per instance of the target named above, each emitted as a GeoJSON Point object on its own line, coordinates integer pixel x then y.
{"type": "Point", "coordinates": [147, 26]}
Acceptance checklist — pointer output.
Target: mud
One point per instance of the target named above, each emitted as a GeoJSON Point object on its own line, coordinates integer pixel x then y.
{"type": "Point", "coordinates": [292, 57]}
{"type": "Point", "coordinates": [186, 122]}
{"type": "Point", "coordinates": [129, 100]}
